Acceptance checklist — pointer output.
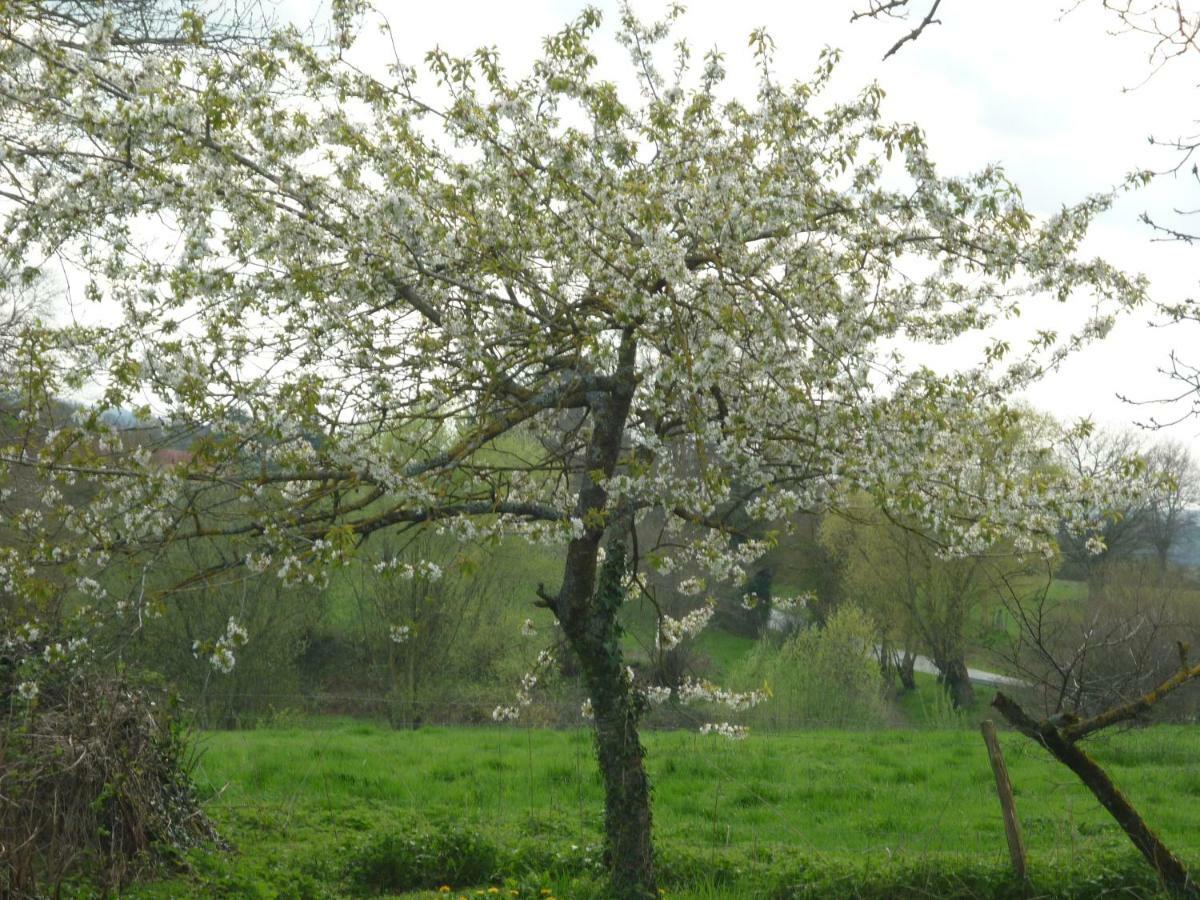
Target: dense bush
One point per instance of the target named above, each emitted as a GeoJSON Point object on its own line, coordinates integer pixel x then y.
{"type": "Point", "coordinates": [94, 768]}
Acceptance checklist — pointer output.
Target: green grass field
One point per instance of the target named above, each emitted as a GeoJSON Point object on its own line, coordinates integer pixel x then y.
{"type": "Point", "coordinates": [310, 810]}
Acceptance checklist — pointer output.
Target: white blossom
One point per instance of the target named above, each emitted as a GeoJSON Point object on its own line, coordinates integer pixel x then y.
{"type": "Point", "coordinates": [725, 730]}
{"type": "Point", "coordinates": [658, 694]}
{"type": "Point", "coordinates": [505, 714]}
{"type": "Point", "coordinates": [671, 631]}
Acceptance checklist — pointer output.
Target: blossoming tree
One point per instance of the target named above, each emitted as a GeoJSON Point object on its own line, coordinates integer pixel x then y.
{"type": "Point", "coordinates": [673, 301]}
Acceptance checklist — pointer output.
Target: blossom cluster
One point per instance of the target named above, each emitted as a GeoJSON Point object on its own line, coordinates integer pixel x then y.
{"type": "Point", "coordinates": [220, 653]}
{"type": "Point", "coordinates": [725, 730]}
{"type": "Point", "coordinates": [407, 571]}
{"type": "Point", "coordinates": [692, 691]}
{"type": "Point", "coordinates": [529, 681]}
{"type": "Point", "coordinates": [671, 631]}
{"type": "Point", "coordinates": [658, 694]}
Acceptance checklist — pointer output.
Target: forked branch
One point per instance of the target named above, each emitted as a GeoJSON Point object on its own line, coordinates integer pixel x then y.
{"type": "Point", "coordinates": [1060, 739]}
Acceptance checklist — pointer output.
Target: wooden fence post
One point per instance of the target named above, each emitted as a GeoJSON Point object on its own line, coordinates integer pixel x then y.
{"type": "Point", "coordinates": [1012, 825]}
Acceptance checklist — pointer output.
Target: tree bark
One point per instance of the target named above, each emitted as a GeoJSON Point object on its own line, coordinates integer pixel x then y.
{"type": "Point", "coordinates": [1170, 868]}
{"type": "Point", "coordinates": [587, 612]}
{"type": "Point", "coordinates": [617, 707]}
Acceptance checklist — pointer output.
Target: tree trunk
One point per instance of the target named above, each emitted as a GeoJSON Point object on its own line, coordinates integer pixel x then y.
{"type": "Point", "coordinates": [1170, 868]}
{"type": "Point", "coordinates": [617, 707]}
{"type": "Point", "coordinates": [957, 683]}
{"type": "Point", "coordinates": [887, 661]}
{"type": "Point", "coordinates": [908, 681]}
{"type": "Point", "coordinates": [587, 612]}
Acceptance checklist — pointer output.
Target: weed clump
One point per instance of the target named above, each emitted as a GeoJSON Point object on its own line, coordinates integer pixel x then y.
{"type": "Point", "coordinates": [95, 773]}
{"type": "Point", "coordinates": [412, 858]}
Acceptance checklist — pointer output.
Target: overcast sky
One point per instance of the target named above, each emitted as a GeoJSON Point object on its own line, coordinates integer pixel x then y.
{"type": "Point", "coordinates": [1007, 81]}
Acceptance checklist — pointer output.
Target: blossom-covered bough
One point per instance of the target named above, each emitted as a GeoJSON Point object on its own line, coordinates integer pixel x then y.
{"type": "Point", "coordinates": [547, 305]}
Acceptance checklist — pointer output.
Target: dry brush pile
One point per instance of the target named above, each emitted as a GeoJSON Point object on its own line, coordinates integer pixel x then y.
{"type": "Point", "coordinates": [94, 769]}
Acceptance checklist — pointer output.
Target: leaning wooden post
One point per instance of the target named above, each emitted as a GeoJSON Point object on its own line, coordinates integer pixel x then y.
{"type": "Point", "coordinates": [1012, 825]}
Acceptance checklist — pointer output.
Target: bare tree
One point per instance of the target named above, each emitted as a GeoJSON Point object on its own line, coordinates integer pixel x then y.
{"type": "Point", "coordinates": [1171, 26]}
{"type": "Point", "coordinates": [1080, 656]}
{"type": "Point", "coordinates": [899, 9]}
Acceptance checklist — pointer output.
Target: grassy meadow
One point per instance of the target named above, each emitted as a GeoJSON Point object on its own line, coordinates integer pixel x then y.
{"type": "Point", "coordinates": [345, 808]}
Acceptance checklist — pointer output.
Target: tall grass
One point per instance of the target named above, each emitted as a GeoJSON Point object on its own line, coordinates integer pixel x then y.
{"type": "Point", "coordinates": [731, 818]}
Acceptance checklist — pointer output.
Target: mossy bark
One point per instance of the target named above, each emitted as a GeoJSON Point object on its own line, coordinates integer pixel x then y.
{"type": "Point", "coordinates": [1171, 870]}
{"type": "Point", "coordinates": [586, 607]}
{"type": "Point", "coordinates": [617, 708]}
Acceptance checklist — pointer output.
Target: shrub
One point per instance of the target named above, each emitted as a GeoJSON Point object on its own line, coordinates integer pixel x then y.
{"type": "Point", "coordinates": [821, 676]}
{"type": "Point", "coordinates": [94, 769]}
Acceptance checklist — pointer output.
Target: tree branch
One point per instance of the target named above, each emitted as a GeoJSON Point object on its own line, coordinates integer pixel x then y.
{"type": "Point", "coordinates": [1134, 708]}
{"type": "Point", "coordinates": [898, 9]}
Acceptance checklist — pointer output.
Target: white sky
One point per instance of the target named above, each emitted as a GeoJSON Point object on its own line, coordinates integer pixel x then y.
{"type": "Point", "coordinates": [1008, 81]}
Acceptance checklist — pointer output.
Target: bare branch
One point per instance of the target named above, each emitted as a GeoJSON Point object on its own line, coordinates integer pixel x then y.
{"type": "Point", "coordinates": [899, 9]}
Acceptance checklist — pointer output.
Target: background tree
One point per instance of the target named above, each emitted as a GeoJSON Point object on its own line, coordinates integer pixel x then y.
{"type": "Point", "coordinates": [925, 603]}
{"type": "Point", "coordinates": [339, 256]}
{"type": "Point", "coordinates": [1147, 516]}
{"type": "Point", "coordinates": [1119, 530]}
{"type": "Point", "coordinates": [1170, 518]}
